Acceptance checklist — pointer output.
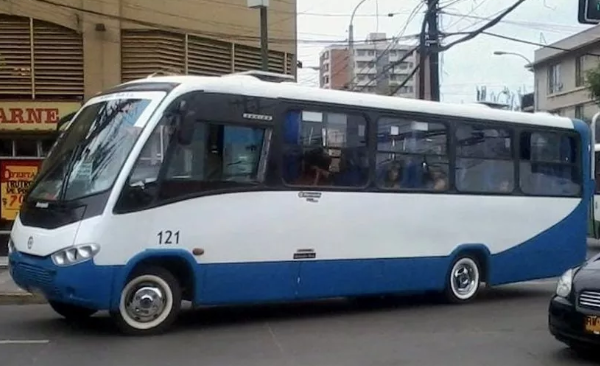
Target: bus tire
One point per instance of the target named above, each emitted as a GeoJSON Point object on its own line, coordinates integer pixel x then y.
{"type": "Point", "coordinates": [464, 280]}
{"type": "Point", "coordinates": [149, 302]}
{"type": "Point", "coordinates": [71, 312]}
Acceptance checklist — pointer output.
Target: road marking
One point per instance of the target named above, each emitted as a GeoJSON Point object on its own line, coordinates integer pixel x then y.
{"type": "Point", "coordinates": [24, 341]}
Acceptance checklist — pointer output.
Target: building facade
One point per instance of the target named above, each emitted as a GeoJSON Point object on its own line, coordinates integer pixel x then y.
{"type": "Point", "coordinates": [372, 72]}
{"type": "Point", "coordinates": [560, 70]}
{"type": "Point", "coordinates": [55, 54]}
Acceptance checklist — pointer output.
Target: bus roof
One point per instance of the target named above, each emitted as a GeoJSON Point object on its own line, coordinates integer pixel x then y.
{"type": "Point", "coordinates": [252, 86]}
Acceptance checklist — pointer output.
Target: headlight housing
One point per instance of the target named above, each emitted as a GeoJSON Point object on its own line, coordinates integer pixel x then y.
{"type": "Point", "coordinates": [565, 284]}
{"type": "Point", "coordinates": [75, 255]}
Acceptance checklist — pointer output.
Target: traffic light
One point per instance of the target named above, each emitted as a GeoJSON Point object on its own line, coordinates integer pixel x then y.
{"type": "Point", "coordinates": [589, 12]}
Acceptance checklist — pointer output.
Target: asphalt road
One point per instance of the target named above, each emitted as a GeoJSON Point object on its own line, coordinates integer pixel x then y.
{"type": "Point", "coordinates": [505, 326]}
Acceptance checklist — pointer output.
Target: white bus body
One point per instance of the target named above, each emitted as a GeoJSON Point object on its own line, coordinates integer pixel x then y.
{"type": "Point", "coordinates": [105, 227]}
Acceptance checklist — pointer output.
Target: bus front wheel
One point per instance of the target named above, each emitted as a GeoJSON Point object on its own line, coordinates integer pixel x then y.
{"type": "Point", "coordinates": [150, 302]}
{"type": "Point", "coordinates": [464, 280]}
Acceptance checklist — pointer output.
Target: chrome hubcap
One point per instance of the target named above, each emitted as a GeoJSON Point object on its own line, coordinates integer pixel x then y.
{"type": "Point", "coordinates": [146, 303]}
{"type": "Point", "coordinates": [464, 279]}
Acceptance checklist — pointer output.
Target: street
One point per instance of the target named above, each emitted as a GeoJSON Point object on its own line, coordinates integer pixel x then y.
{"type": "Point", "coordinates": [505, 326]}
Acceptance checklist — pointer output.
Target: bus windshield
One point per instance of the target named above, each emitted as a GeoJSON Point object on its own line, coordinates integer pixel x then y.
{"type": "Point", "coordinates": [90, 155]}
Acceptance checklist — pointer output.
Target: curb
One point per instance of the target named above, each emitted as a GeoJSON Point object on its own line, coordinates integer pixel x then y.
{"type": "Point", "coordinates": [20, 298]}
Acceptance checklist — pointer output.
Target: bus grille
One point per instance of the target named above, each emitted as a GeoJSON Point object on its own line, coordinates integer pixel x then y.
{"type": "Point", "coordinates": [590, 300]}
{"type": "Point", "coordinates": [35, 277]}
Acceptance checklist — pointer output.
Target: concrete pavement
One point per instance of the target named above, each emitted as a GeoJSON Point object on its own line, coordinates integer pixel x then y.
{"type": "Point", "coordinates": [505, 326]}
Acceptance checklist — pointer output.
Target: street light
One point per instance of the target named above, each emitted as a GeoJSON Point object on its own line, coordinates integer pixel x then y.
{"type": "Point", "coordinates": [351, 46]}
{"type": "Point", "coordinates": [529, 65]}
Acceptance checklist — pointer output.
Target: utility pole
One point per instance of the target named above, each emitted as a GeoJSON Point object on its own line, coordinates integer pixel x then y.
{"type": "Point", "coordinates": [433, 44]}
{"type": "Point", "coordinates": [264, 30]}
{"type": "Point", "coordinates": [429, 52]}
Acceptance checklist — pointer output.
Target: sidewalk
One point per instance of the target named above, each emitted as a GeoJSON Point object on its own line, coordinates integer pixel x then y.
{"type": "Point", "coordinates": [10, 294]}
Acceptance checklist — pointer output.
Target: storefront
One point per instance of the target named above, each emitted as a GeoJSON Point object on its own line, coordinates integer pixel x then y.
{"type": "Point", "coordinates": [27, 131]}
{"type": "Point", "coordinates": [41, 80]}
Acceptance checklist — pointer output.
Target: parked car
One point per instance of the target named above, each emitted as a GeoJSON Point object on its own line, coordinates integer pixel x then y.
{"type": "Point", "coordinates": [574, 312]}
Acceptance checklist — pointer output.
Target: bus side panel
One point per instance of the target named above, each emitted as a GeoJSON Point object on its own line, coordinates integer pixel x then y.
{"type": "Point", "coordinates": [363, 243]}
{"type": "Point", "coordinates": [548, 254]}
{"type": "Point", "coordinates": [563, 245]}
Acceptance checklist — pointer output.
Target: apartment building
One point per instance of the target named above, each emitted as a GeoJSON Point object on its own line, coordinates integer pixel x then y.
{"type": "Point", "coordinates": [55, 54]}
{"type": "Point", "coordinates": [371, 63]}
{"type": "Point", "coordinates": [560, 75]}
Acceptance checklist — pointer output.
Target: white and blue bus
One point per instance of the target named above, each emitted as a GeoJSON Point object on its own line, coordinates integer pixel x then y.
{"type": "Point", "coordinates": [234, 190]}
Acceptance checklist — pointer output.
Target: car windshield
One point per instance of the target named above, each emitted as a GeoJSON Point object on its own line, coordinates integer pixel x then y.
{"type": "Point", "coordinates": [90, 154]}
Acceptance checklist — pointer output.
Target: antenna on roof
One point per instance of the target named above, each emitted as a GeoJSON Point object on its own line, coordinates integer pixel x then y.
{"type": "Point", "coordinates": [272, 77]}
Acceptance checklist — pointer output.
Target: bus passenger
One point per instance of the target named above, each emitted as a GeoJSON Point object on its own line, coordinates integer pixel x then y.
{"type": "Point", "coordinates": [393, 176]}
{"type": "Point", "coordinates": [315, 168]}
{"type": "Point", "coordinates": [437, 180]}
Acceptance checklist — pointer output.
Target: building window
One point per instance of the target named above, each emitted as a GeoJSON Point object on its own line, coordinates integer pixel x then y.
{"type": "Point", "coordinates": [579, 77]}
{"type": "Point", "coordinates": [548, 164]}
{"type": "Point", "coordinates": [554, 81]}
{"type": "Point", "coordinates": [411, 154]}
{"type": "Point", "coordinates": [325, 149]}
{"type": "Point", "coordinates": [361, 53]}
{"type": "Point", "coordinates": [484, 159]}
{"type": "Point", "coordinates": [579, 111]}
{"type": "Point", "coordinates": [325, 80]}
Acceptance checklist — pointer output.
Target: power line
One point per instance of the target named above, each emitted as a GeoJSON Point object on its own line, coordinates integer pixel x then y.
{"type": "Point", "coordinates": [535, 43]}
{"type": "Point", "coordinates": [525, 24]}
{"type": "Point", "coordinates": [468, 36]}
{"type": "Point", "coordinates": [390, 45]}
{"type": "Point", "coordinates": [218, 35]}
{"type": "Point", "coordinates": [476, 32]}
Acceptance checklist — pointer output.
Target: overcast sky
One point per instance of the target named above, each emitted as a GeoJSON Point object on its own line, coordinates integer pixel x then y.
{"type": "Point", "coordinates": [465, 66]}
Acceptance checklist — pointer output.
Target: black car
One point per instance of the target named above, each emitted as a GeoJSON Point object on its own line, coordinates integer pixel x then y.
{"type": "Point", "coordinates": [574, 313]}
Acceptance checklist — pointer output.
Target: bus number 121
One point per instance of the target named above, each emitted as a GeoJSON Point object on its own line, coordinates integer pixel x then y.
{"type": "Point", "coordinates": [168, 237]}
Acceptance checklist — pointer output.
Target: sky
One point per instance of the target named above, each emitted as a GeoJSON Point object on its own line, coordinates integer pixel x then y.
{"type": "Point", "coordinates": [465, 66]}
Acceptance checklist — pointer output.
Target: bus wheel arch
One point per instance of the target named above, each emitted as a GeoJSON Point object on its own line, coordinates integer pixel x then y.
{"type": "Point", "coordinates": [177, 263]}
{"type": "Point", "coordinates": [468, 269]}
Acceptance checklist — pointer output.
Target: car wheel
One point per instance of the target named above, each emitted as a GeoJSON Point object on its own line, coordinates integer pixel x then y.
{"type": "Point", "coordinates": [464, 280]}
{"type": "Point", "coordinates": [71, 312]}
{"type": "Point", "coordinates": [149, 303]}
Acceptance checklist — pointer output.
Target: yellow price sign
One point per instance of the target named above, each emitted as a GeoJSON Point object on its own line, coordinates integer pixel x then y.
{"type": "Point", "coordinates": [15, 178]}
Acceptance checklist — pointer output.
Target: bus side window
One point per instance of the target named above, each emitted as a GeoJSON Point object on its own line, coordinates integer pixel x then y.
{"type": "Point", "coordinates": [484, 159]}
{"type": "Point", "coordinates": [411, 154]}
{"type": "Point", "coordinates": [221, 156]}
{"type": "Point", "coordinates": [549, 164]}
{"type": "Point", "coordinates": [324, 149]}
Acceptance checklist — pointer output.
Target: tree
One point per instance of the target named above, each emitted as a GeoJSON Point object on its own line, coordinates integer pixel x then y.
{"type": "Point", "coordinates": [593, 82]}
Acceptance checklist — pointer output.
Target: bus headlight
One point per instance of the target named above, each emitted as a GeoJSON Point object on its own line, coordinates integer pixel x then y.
{"type": "Point", "coordinates": [565, 283]}
{"type": "Point", "coordinates": [74, 255]}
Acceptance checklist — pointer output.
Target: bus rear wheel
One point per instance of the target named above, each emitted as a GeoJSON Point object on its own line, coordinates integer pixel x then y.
{"type": "Point", "coordinates": [150, 302]}
{"type": "Point", "coordinates": [71, 312]}
{"type": "Point", "coordinates": [464, 280]}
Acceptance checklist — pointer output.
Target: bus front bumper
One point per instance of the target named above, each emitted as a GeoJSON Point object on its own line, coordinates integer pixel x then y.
{"type": "Point", "coordinates": [84, 284]}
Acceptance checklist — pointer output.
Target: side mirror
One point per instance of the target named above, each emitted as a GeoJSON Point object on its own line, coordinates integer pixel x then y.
{"type": "Point", "coordinates": [185, 130]}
